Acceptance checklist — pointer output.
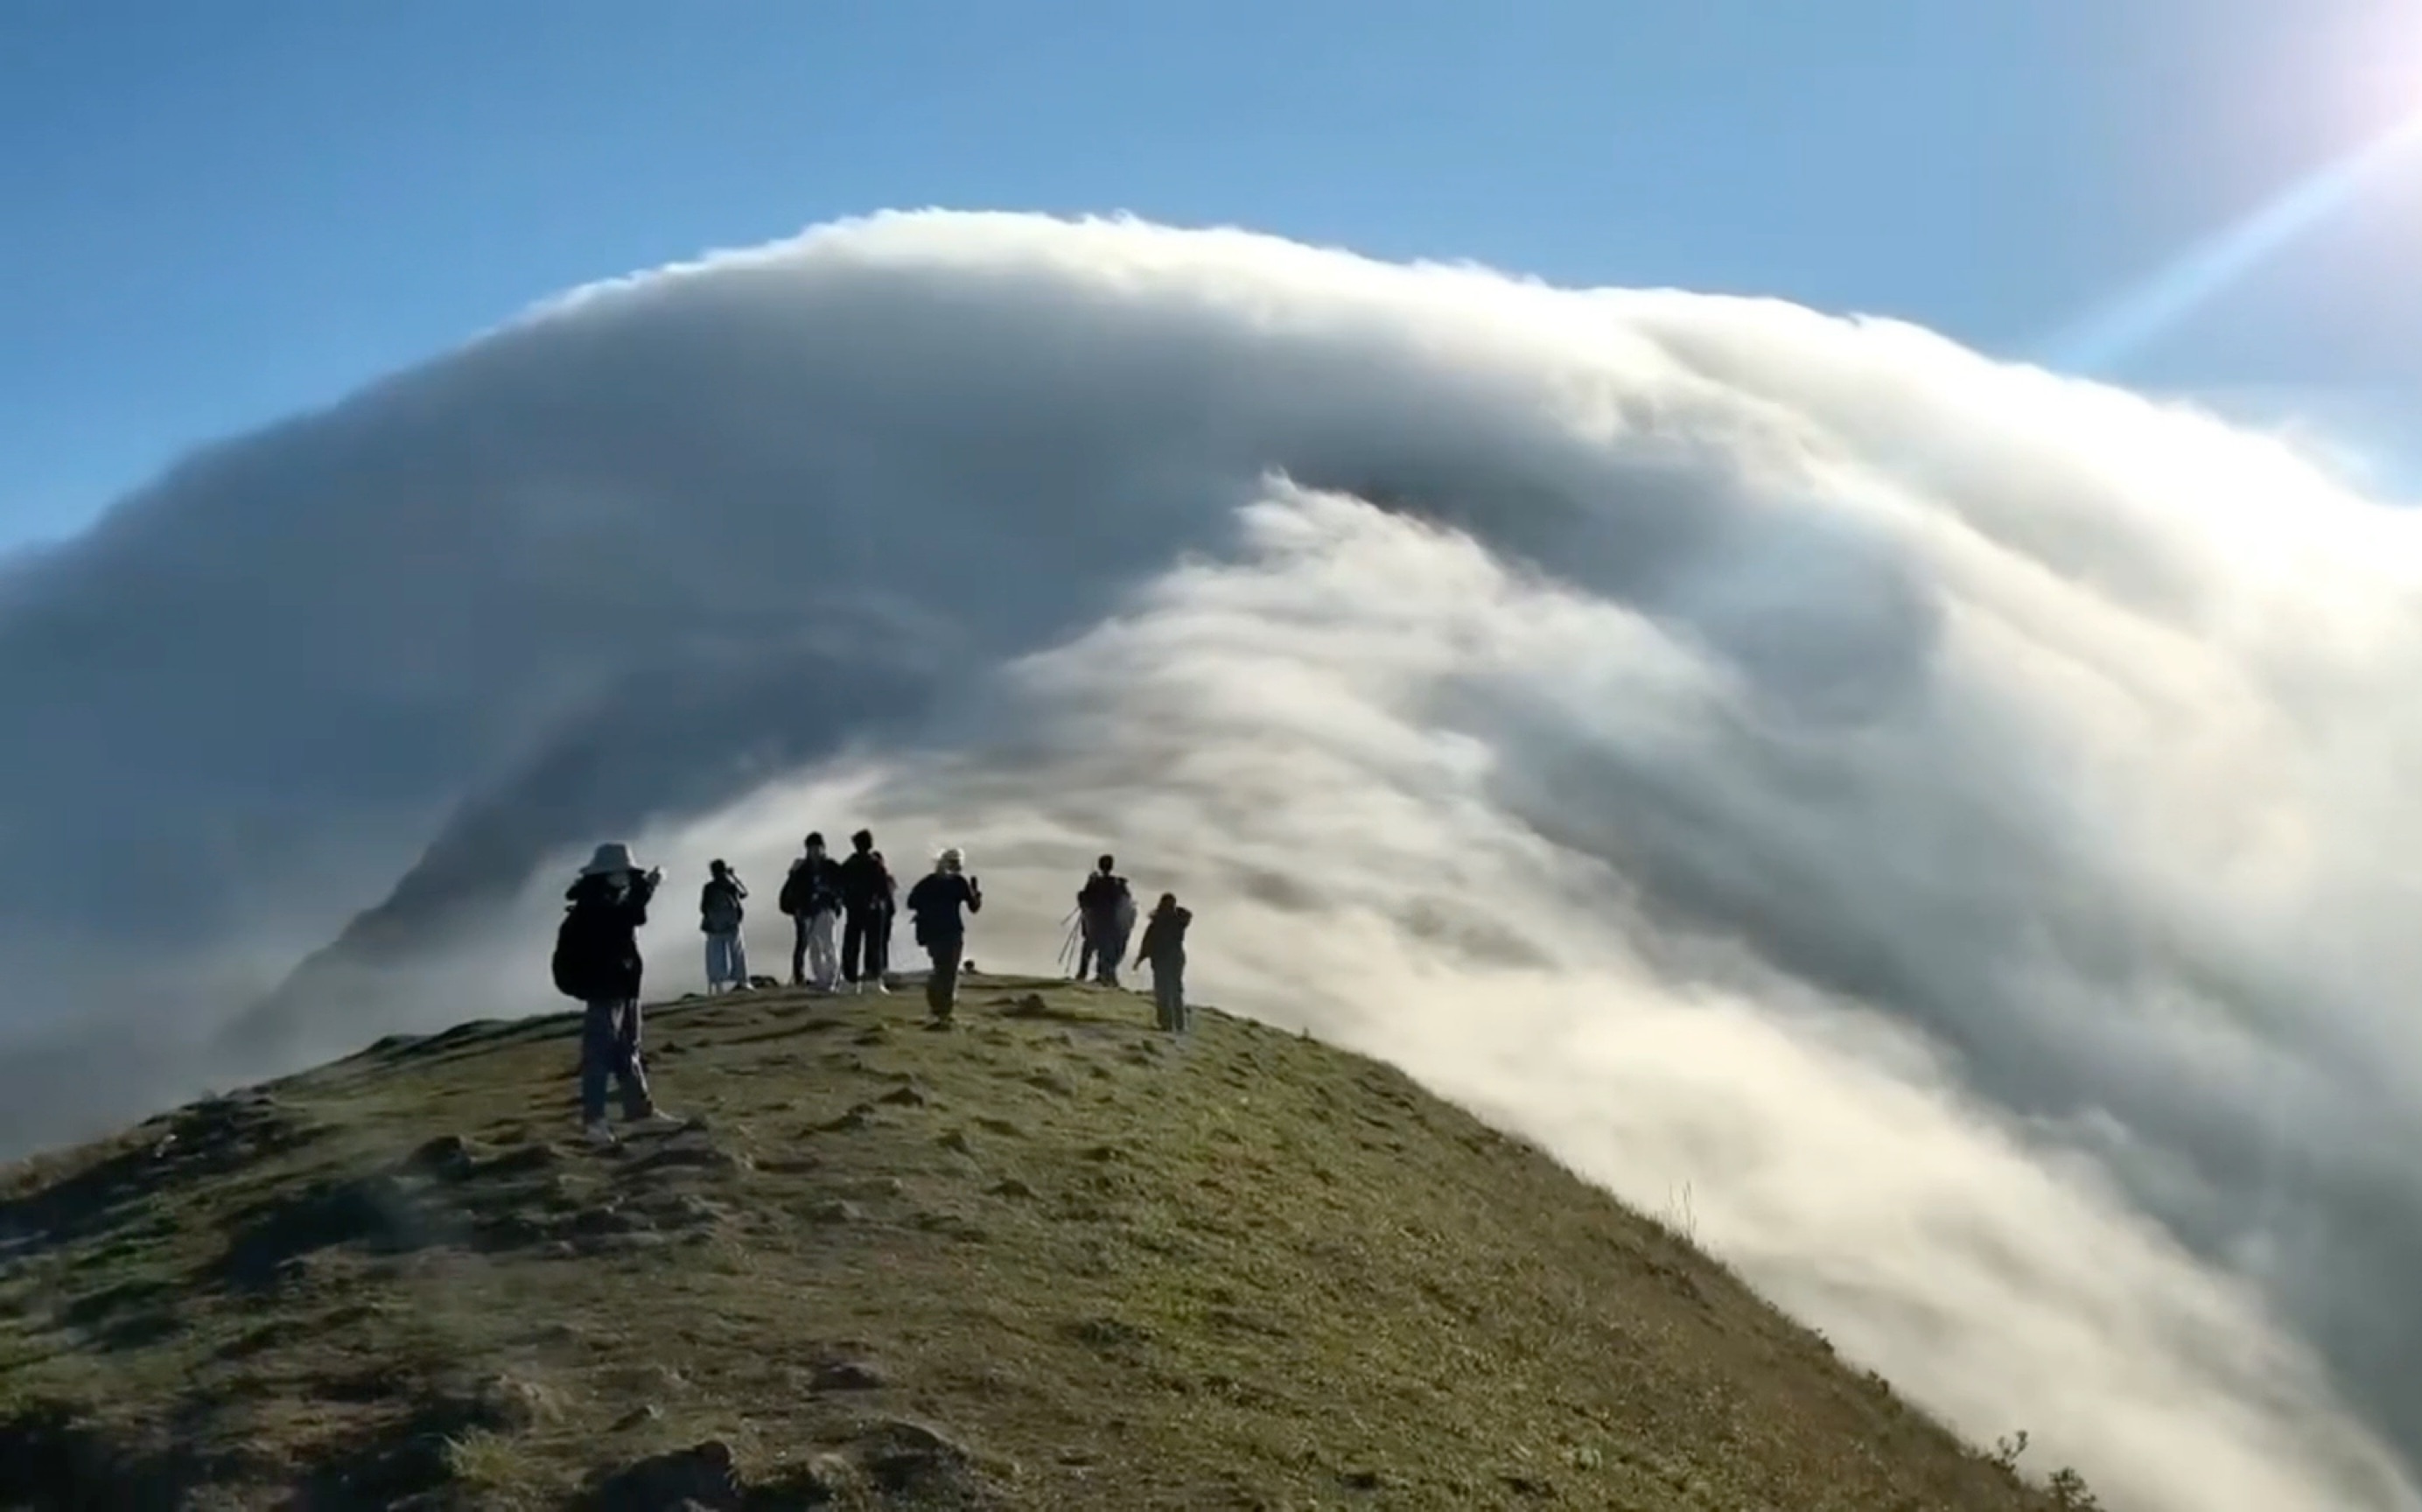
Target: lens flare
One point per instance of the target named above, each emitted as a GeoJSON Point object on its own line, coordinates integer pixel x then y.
{"type": "Point", "coordinates": [2210, 267]}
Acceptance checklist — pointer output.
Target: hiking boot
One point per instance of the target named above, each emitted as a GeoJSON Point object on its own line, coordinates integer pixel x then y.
{"type": "Point", "coordinates": [599, 1135]}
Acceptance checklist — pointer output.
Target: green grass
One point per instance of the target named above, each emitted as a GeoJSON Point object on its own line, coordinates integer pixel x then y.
{"type": "Point", "coordinates": [1045, 1260]}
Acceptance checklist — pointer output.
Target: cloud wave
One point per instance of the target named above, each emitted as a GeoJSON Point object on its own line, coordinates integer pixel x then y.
{"type": "Point", "coordinates": [1947, 815]}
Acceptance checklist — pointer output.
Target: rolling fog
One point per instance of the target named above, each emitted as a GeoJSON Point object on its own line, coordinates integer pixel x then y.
{"type": "Point", "coordinates": [1948, 820]}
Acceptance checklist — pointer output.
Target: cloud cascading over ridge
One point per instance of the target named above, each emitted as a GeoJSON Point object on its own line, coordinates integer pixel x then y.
{"type": "Point", "coordinates": [1949, 816]}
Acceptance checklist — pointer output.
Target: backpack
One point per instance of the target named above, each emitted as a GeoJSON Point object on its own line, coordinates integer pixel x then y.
{"type": "Point", "coordinates": [575, 963]}
{"type": "Point", "coordinates": [799, 889]}
{"type": "Point", "coordinates": [719, 908]}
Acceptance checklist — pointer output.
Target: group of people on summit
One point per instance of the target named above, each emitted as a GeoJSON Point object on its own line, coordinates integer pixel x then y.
{"type": "Point", "coordinates": [852, 900]}
{"type": "Point", "coordinates": [1105, 916]}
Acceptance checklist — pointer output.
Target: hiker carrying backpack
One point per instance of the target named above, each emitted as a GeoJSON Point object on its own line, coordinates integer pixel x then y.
{"type": "Point", "coordinates": [597, 944]}
{"type": "Point", "coordinates": [719, 912]}
{"type": "Point", "coordinates": [1106, 913]}
{"type": "Point", "coordinates": [597, 961]}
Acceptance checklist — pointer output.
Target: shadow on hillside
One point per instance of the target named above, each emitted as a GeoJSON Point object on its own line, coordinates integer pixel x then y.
{"type": "Point", "coordinates": [269, 1241]}
{"type": "Point", "coordinates": [481, 1034]}
{"type": "Point", "coordinates": [206, 1141]}
{"type": "Point", "coordinates": [881, 1462]}
{"type": "Point", "coordinates": [131, 1315]}
{"type": "Point", "coordinates": [50, 1461]}
{"type": "Point", "coordinates": [1034, 1005]}
{"type": "Point", "coordinates": [406, 1456]}
{"type": "Point", "coordinates": [448, 1192]}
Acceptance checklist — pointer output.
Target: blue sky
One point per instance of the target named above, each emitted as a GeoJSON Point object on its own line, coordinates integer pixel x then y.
{"type": "Point", "coordinates": [213, 214]}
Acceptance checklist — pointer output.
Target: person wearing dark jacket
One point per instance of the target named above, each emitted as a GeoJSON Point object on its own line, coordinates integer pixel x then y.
{"type": "Point", "coordinates": [867, 894]}
{"type": "Point", "coordinates": [1164, 946]}
{"type": "Point", "coordinates": [601, 943]}
{"type": "Point", "coordinates": [811, 896]}
{"type": "Point", "coordinates": [936, 902]}
{"type": "Point", "coordinates": [1105, 916]}
{"type": "Point", "coordinates": [719, 912]}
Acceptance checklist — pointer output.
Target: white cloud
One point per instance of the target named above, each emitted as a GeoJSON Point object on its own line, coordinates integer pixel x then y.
{"type": "Point", "coordinates": [1951, 817]}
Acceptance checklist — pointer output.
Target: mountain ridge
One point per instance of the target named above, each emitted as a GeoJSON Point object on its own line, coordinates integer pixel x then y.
{"type": "Point", "coordinates": [1050, 1259]}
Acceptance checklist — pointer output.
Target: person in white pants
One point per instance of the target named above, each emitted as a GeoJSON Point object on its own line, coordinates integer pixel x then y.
{"type": "Point", "coordinates": [824, 949]}
{"type": "Point", "coordinates": [719, 912]}
{"type": "Point", "coordinates": [811, 896]}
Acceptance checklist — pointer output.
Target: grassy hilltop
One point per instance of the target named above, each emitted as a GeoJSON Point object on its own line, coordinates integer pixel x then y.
{"type": "Point", "coordinates": [1042, 1261]}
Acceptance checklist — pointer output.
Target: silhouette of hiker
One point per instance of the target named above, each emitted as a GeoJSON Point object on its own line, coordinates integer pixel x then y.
{"type": "Point", "coordinates": [1164, 946]}
{"type": "Point", "coordinates": [1105, 916]}
{"type": "Point", "coordinates": [811, 896]}
{"type": "Point", "coordinates": [935, 900]}
{"type": "Point", "coordinates": [878, 928]}
{"type": "Point", "coordinates": [597, 961]}
{"type": "Point", "coordinates": [719, 913]}
{"type": "Point", "coordinates": [866, 898]}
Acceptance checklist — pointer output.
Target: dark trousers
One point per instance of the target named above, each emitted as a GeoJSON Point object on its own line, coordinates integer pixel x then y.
{"type": "Point", "coordinates": [942, 986]}
{"type": "Point", "coordinates": [1168, 994]}
{"type": "Point", "coordinates": [1105, 947]}
{"type": "Point", "coordinates": [609, 1051]}
{"type": "Point", "coordinates": [865, 945]}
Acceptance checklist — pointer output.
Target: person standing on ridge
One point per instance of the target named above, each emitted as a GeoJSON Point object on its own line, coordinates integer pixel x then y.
{"type": "Point", "coordinates": [1164, 946]}
{"type": "Point", "coordinates": [866, 894]}
{"type": "Point", "coordinates": [597, 961]}
{"type": "Point", "coordinates": [811, 896]}
{"type": "Point", "coordinates": [1105, 916]}
{"type": "Point", "coordinates": [878, 937]}
{"type": "Point", "coordinates": [719, 913]}
{"type": "Point", "coordinates": [935, 900]}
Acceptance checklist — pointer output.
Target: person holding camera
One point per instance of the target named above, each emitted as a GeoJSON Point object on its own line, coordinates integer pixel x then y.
{"type": "Point", "coordinates": [597, 961]}
{"type": "Point", "coordinates": [719, 912]}
{"type": "Point", "coordinates": [811, 896]}
{"type": "Point", "coordinates": [942, 930]}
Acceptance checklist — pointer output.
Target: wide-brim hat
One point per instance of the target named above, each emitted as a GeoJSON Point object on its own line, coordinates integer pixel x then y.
{"type": "Point", "coordinates": [612, 859]}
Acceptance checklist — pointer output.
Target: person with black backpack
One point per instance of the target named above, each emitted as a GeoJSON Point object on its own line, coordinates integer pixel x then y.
{"type": "Point", "coordinates": [811, 896]}
{"type": "Point", "coordinates": [1106, 913]}
{"type": "Point", "coordinates": [1164, 946]}
{"type": "Point", "coordinates": [942, 930]}
{"type": "Point", "coordinates": [597, 961]}
{"type": "Point", "coordinates": [719, 912]}
{"type": "Point", "coordinates": [867, 893]}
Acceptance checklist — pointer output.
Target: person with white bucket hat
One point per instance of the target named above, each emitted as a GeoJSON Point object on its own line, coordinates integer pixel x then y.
{"type": "Point", "coordinates": [597, 961]}
{"type": "Point", "coordinates": [942, 929]}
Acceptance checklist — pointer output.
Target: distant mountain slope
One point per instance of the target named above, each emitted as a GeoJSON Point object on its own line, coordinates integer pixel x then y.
{"type": "Point", "coordinates": [1047, 1260]}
